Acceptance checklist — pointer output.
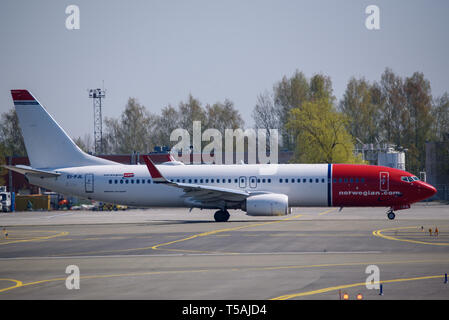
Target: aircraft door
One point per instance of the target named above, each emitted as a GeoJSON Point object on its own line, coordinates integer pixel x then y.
{"type": "Point", "coordinates": [384, 181]}
{"type": "Point", "coordinates": [89, 183]}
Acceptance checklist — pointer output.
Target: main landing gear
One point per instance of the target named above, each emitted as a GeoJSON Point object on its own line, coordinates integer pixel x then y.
{"type": "Point", "coordinates": [390, 214]}
{"type": "Point", "coordinates": [221, 216]}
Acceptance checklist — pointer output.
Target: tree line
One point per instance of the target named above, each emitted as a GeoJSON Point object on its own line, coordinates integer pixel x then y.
{"type": "Point", "coordinates": [396, 110]}
{"type": "Point", "coordinates": [311, 122]}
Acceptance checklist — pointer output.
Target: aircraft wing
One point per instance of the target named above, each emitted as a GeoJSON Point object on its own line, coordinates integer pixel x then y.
{"type": "Point", "coordinates": [198, 194]}
{"type": "Point", "coordinates": [26, 170]}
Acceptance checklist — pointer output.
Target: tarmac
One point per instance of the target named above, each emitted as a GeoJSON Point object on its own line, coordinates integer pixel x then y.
{"type": "Point", "coordinates": [313, 253]}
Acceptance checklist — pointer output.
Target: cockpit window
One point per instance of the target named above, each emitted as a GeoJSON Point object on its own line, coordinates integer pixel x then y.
{"type": "Point", "coordinates": [409, 179]}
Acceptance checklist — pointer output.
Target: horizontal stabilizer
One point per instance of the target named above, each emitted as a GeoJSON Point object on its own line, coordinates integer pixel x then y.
{"type": "Point", "coordinates": [26, 170]}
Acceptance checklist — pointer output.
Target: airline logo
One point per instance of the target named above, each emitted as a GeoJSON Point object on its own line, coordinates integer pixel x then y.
{"type": "Point", "coordinates": [128, 175]}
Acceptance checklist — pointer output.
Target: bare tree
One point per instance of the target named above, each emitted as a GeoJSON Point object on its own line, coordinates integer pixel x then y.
{"type": "Point", "coordinates": [132, 131]}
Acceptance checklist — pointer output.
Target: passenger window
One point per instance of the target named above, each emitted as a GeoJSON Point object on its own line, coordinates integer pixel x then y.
{"type": "Point", "coordinates": [223, 180]}
{"type": "Point", "coordinates": [126, 181]}
{"type": "Point", "coordinates": [195, 180]}
{"type": "Point", "coordinates": [346, 180]}
{"type": "Point", "coordinates": [121, 181]}
{"type": "Point", "coordinates": [236, 181]}
{"type": "Point", "coordinates": [362, 180]}
{"type": "Point", "coordinates": [201, 180]}
{"type": "Point", "coordinates": [143, 181]}
{"type": "Point", "coordinates": [263, 180]}
{"type": "Point", "coordinates": [110, 181]}
{"type": "Point", "coordinates": [351, 180]}
{"type": "Point", "coordinates": [149, 181]}
{"type": "Point", "coordinates": [137, 181]}
{"type": "Point", "coordinates": [317, 180]}
{"type": "Point", "coordinates": [356, 180]}
{"type": "Point", "coordinates": [229, 180]}
{"type": "Point", "coordinates": [190, 180]}
{"type": "Point", "coordinates": [115, 181]}
{"type": "Point", "coordinates": [258, 180]}
{"type": "Point", "coordinates": [280, 180]}
{"type": "Point", "coordinates": [322, 180]}
{"type": "Point", "coordinates": [269, 180]}
{"type": "Point", "coordinates": [298, 180]}
{"type": "Point", "coordinates": [310, 180]}
{"type": "Point", "coordinates": [211, 180]}
{"type": "Point", "coordinates": [304, 180]}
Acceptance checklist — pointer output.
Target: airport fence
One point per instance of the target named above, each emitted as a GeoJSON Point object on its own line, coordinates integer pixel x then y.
{"type": "Point", "coordinates": [442, 192]}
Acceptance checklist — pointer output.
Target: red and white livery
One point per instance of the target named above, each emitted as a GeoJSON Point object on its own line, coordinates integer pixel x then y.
{"type": "Point", "coordinates": [56, 163]}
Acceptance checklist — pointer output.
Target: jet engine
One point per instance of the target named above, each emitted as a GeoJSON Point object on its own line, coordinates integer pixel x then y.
{"type": "Point", "coordinates": [272, 204]}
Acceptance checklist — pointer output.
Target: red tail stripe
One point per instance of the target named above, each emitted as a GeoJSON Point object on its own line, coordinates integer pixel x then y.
{"type": "Point", "coordinates": [18, 95]}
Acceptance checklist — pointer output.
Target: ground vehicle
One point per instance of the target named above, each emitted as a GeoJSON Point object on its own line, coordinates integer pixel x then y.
{"type": "Point", "coordinates": [5, 199]}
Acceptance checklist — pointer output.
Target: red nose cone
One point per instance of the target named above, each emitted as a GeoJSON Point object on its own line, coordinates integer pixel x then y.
{"type": "Point", "coordinates": [429, 190]}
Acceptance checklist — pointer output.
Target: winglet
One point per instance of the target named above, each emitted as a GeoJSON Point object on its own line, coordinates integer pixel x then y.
{"type": "Point", "coordinates": [154, 172]}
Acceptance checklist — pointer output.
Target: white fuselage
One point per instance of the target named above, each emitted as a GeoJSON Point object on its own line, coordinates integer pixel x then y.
{"type": "Point", "coordinates": [132, 184]}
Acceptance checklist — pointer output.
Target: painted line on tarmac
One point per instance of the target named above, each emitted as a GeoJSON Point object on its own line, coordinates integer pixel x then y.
{"type": "Point", "coordinates": [19, 284]}
{"type": "Point", "coordinates": [59, 215]}
{"type": "Point", "coordinates": [346, 286]}
{"type": "Point", "coordinates": [58, 234]}
{"type": "Point", "coordinates": [378, 233]}
{"type": "Point", "coordinates": [203, 234]}
{"type": "Point", "coordinates": [218, 254]}
{"type": "Point", "coordinates": [214, 232]}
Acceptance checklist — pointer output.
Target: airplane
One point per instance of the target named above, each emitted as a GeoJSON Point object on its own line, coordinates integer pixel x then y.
{"type": "Point", "coordinates": [58, 164]}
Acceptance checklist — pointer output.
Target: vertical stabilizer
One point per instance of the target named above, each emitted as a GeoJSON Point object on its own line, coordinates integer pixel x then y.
{"type": "Point", "coordinates": [47, 144]}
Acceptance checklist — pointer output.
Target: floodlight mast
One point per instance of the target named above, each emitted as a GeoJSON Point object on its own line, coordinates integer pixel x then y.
{"type": "Point", "coordinates": [97, 95]}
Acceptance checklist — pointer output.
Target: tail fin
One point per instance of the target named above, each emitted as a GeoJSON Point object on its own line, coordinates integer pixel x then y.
{"type": "Point", "coordinates": [47, 144]}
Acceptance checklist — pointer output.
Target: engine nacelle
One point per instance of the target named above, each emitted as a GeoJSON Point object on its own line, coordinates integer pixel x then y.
{"type": "Point", "coordinates": [272, 204]}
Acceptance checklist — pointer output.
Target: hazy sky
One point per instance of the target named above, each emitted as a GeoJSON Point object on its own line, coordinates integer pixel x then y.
{"type": "Point", "coordinates": [160, 51]}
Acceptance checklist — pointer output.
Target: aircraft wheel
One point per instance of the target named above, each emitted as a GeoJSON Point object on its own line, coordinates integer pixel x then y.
{"type": "Point", "coordinates": [221, 216]}
{"type": "Point", "coordinates": [391, 215]}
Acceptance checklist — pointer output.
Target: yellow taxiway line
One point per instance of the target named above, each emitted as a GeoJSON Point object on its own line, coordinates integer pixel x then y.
{"type": "Point", "coordinates": [17, 284]}
{"type": "Point", "coordinates": [58, 234]}
{"type": "Point", "coordinates": [378, 233]}
{"type": "Point", "coordinates": [346, 286]}
{"type": "Point", "coordinates": [240, 269]}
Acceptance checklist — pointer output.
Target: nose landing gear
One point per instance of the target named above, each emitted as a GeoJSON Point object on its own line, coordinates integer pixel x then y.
{"type": "Point", "coordinates": [221, 216]}
{"type": "Point", "coordinates": [390, 214]}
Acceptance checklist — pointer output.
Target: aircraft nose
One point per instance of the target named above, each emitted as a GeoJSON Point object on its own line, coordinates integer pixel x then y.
{"type": "Point", "coordinates": [428, 189]}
